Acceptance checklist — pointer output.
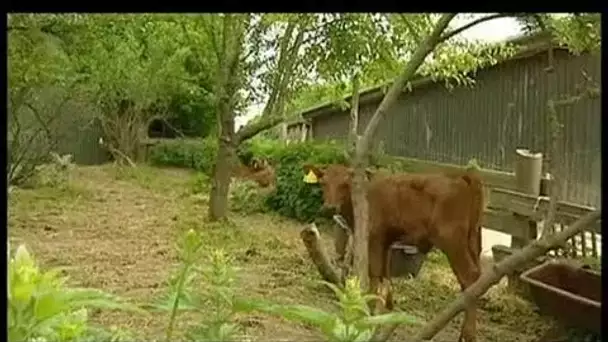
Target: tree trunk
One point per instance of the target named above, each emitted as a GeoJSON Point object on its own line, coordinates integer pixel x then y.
{"type": "Point", "coordinates": [354, 116]}
{"type": "Point", "coordinates": [312, 241]}
{"type": "Point", "coordinates": [222, 170]}
{"type": "Point", "coordinates": [360, 205]}
{"type": "Point", "coordinates": [359, 253]}
{"type": "Point", "coordinates": [220, 186]}
{"type": "Point", "coordinates": [227, 87]}
{"type": "Point", "coordinates": [360, 237]}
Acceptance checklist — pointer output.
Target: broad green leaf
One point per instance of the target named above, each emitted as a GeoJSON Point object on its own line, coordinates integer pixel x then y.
{"type": "Point", "coordinates": [339, 330]}
{"type": "Point", "coordinates": [364, 336]}
{"type": "Point", "coordinates": [390, 318]}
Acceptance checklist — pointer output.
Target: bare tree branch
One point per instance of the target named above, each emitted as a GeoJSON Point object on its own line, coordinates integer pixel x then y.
{"type": "Point", "coordinates": [250, 130]}
{"type": "Point", "coordinates": [310, 237]}
{"type": "Point", "coordinates": [415, 61]}
{"type": "Point", "coordinates": [287, 58]}
{"type": "Point", "coordinates": [275, 88]}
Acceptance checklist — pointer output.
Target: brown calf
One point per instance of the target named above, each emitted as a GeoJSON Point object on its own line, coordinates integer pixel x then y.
{"type": "Point", "coordinates": [260, 171]}
{"type": "Point", "coordinates": [423, 210]}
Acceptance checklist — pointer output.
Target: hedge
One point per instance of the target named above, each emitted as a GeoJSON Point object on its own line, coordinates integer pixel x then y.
{"type": "Point", "coordinates": [292, 198]}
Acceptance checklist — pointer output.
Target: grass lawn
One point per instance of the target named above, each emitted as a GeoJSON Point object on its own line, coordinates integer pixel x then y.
{"type": "Point", "coordinates": [115, 229]}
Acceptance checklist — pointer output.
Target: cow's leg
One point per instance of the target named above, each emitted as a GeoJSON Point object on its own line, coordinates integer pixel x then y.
{"type": "Point", "coordinates": [388, 294]}
{"type": "Point", "coordinates": [340, 243]}
{"type": "Point", "coordinates": [377, 269]}
{"type": "Point", "coordinates": [475, 244]}
{"type": "Point", "coordinates": [467, 271]}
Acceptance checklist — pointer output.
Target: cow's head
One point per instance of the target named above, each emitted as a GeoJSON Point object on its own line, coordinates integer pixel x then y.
{"type": "Point", "coordinates": [335, 181]}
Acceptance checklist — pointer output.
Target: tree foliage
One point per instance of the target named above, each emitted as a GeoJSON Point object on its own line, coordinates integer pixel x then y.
{"type": "Point", "coordinates": [130, 67]}
{"type": "Point", "coordinates": [41, 79]}
{"type": "Point", "coordinates": [260, 58]}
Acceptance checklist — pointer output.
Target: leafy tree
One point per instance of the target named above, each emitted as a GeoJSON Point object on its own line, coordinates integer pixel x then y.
{"type": "Point", "coordinates": [245, 72]}
{"type": "Point", "coordinates": [41, 80]}
{"type": "Point", "coordinates": [133, 68]}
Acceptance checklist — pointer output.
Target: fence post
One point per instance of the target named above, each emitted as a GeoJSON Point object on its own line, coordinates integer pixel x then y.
{"type": "Point", "coordinates": [528, 175]}
{"type": "Point", "coordinates": [304, 133]}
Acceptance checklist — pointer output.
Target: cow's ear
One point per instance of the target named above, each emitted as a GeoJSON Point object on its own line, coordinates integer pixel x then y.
{"type": "Point", "coordinates": [317, 170]}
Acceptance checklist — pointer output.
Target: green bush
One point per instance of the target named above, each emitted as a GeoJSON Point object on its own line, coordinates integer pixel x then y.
{"type": "Point", "coordinates": [209, 289]}
{"type": "Point", "coordinates": [200, 184]}
{"type": "Point", "coordinates": [198, 154]}
{"type": "Point", "coordinates": [354, 321]}
{"type": "Point", "coordinates": [247, 197]}
{"type": "Point", "coordinates": [293, 198]}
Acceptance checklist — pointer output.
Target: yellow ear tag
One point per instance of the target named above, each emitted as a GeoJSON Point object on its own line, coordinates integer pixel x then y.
{"type": "Point", "coordinates": [311, 178]}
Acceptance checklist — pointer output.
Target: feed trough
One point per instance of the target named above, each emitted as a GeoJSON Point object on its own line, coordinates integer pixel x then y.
{"type": "Point", "coordinates": [405, 260]}
{"type": "Point", "coordinates": [571, 294]}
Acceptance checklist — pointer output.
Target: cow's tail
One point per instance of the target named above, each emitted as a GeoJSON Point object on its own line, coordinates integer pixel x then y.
{"type": "Point", "coordinates": [476, 211]}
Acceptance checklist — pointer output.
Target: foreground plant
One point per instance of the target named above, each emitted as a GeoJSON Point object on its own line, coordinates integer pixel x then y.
{"type": "Point", "coordinates": [214, 297]}
{"type": "Point", "coordinates": [42, 308]}
{"type": "Point", "coordinates": [354, 322]}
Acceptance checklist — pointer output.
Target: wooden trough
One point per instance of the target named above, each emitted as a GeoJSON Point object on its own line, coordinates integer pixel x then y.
{"type": "Point", "coordinates": [570, 294]}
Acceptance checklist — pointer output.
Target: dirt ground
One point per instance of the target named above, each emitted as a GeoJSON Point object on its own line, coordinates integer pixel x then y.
{"type": "Point", "coordinates": [116, 229]}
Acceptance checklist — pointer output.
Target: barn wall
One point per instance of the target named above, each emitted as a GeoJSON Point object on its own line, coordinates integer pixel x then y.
{"type": "Point", "coordinates": [505, 110]}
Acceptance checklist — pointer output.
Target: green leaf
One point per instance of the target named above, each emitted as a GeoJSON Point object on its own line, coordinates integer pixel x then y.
{"type": "Point", "coordinates": [339, 330]}
{"type": "Point", "coordinates": [364, 336]}
{"type": "Point", "coordinates": [22, 259]}
{"type": "Point", "coordinates": [390, 318]}
{"type": "Point", "coordinates": [83, 297]}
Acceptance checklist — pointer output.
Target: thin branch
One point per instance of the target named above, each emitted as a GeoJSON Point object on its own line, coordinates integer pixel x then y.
{"type": "Point", "coordinates": [287, 71]}
{"type": "Point", "coordinates": [33, 137]}
{"type": "Point", "coordinates": [310, 237]}
{"type": "Point", "coordinates": [454, 32]}
{"type": "Point", "coordinates": [249, 131]}
{"type": "Point", "coordinates": [179, 132]}
{"type": "Point", "coordinates": [288, 55]}
{"type": "Point", "coordinates": [284, 46]}
{"type": "Point", "coordinates": [423, 50]}
{"type": "Point", "coordinates": [317, 28]}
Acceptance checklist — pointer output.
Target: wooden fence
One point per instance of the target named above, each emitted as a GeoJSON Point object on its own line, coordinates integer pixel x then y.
{"type": "Point", "coordinates": [516, 204]}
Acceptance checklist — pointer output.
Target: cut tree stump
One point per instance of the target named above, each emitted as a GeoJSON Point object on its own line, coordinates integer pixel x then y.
{"type": "Point", "coordinates": [312, 240]}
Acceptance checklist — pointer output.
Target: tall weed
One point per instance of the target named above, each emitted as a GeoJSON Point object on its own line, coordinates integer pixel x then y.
{"type": "Point", "coordinates": [42, 307]}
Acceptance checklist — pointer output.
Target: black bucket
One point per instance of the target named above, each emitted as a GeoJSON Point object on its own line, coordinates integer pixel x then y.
{"type": "Point", "coordinates": [405, 260]}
